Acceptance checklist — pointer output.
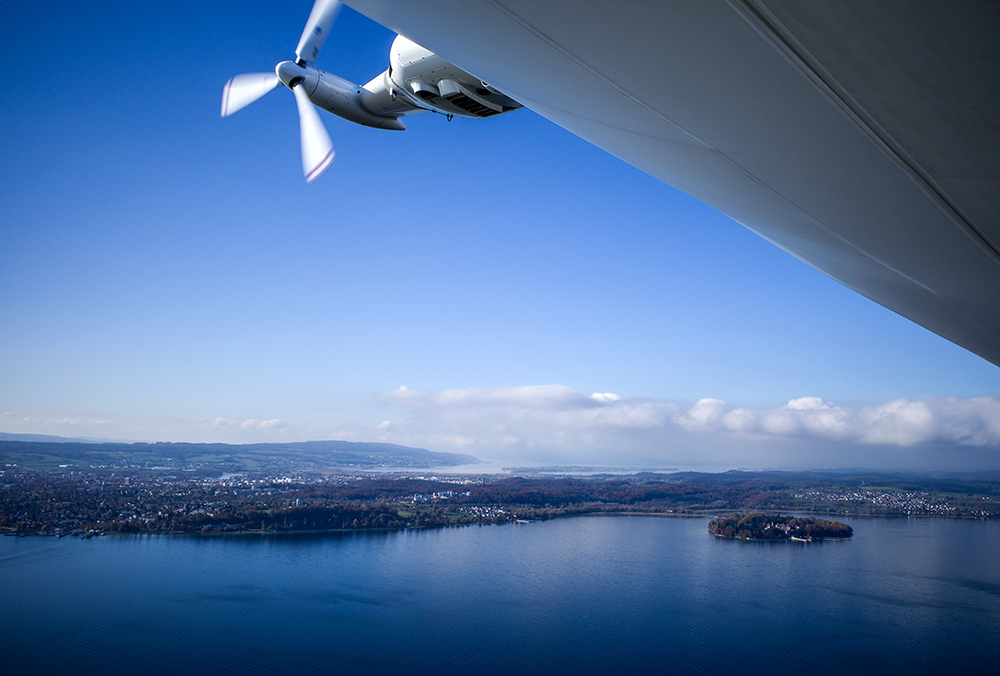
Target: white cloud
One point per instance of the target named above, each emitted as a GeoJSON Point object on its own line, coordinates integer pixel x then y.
{"type": "Point", "coordinates": [249, 425]}
{"type": "Point", "coordinates": [534, 396]}
{"type": "Point", "coordinates": [218, 422]}
{"type": "Point", "coordinates": [605, 396]}
{"type": "Point", "coordinates": [900, 422]}
{"type": "Point", "coordinates": [555, 418]}
{"type": "Point", "coordinates": [705, 414]}
{"type": "Point", "coordinates": [262, 424]}
{"type": "Point", "coordinates": [81, 422]}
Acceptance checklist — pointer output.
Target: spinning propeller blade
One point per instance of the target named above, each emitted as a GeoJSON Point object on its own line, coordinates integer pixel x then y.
{"type": "Point", "coordinates": [243, 90]}
{"type": "Point", "coordinates": [317, 28]}
{"type": "Point", "coordinates": [317, 149]}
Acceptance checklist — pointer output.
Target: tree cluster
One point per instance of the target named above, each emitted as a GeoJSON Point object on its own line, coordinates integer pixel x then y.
{"type": "Point", "coordinates": [757, 526]}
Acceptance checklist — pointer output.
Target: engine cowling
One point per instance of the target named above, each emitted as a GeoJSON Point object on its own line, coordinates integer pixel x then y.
{"type": "Point", "coordinates": [428, 81]}
{"type": "Point", "coordinates": [333, 94]}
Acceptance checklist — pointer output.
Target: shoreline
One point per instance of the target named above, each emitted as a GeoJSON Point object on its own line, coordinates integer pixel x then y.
{"type": "Point", "coordinates": [216, 532]}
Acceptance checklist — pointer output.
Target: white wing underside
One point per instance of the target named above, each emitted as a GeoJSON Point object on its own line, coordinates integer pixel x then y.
{"type": "Point", "coordinates": [863, 138]}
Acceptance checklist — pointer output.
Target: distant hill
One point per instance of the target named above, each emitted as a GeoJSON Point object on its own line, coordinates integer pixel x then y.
{"type": "Point", "coordinates": [296, 456]}
{"type": "Point", "coordinates": [4, 436]}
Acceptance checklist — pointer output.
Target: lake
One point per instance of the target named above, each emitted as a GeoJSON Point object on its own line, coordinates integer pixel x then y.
{"type": "Point", "coordinates": [587, 595]}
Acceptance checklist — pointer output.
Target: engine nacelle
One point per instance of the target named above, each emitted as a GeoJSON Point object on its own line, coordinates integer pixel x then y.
{"type": "Point", "coordinates": [334, 94]}
{"type": "Point", "coordinates": [347, 100]}
{"type": "Point", "coordinates": [428, 81]}
{"type": "Point", "coordinates": [417, 81]}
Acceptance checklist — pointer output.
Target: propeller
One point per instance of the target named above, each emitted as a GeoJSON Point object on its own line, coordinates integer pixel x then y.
{"type": "Point", "coordinates": [242, 90]}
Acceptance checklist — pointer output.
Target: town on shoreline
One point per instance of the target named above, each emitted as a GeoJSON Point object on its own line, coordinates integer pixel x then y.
{"type": "Point", "coordinates": [89, 501]}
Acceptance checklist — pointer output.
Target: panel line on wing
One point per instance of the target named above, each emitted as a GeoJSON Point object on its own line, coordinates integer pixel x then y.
{"type": "Point", "coordinates": [774, 32]}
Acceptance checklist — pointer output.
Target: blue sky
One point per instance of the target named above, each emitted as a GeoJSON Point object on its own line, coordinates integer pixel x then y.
{"type": "Point", "coordinates": [166, 274]}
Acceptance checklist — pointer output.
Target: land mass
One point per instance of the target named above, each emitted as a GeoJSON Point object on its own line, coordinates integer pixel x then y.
{"type": "Point", "coordinates": [757, 526]}
{"type": "Point", "coordinates": [204, 500]}
{"type": "Point", "coordinates": [295, 456]}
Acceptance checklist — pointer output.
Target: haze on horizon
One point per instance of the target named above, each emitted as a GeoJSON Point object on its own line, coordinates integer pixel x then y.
{"type": "Point", "coordinates": [167, 275]}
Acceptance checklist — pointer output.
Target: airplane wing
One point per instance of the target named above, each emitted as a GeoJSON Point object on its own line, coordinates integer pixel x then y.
{"type": "Point", "coordinates": [861, 137]}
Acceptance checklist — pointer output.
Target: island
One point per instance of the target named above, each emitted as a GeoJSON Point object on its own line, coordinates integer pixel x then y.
{"type": "Point", "coordinates": [756, 526]}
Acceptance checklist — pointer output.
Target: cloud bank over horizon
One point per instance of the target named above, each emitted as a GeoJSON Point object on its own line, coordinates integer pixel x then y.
{"type": "Point", "coordinates": [554, 422]}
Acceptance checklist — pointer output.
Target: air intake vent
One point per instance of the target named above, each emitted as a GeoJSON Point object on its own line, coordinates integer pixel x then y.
{"type": "Point", "coordinates": [464, 98]}
{"type": "Point", "coordinates": [462, 101]}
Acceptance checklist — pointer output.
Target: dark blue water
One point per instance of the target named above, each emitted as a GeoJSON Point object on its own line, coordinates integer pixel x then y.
{"type": "Point", "coordinates": [594, 595]}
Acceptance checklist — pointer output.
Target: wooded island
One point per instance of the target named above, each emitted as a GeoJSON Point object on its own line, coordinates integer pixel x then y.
{"type": "Point", "coordinates": [755, 526]}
